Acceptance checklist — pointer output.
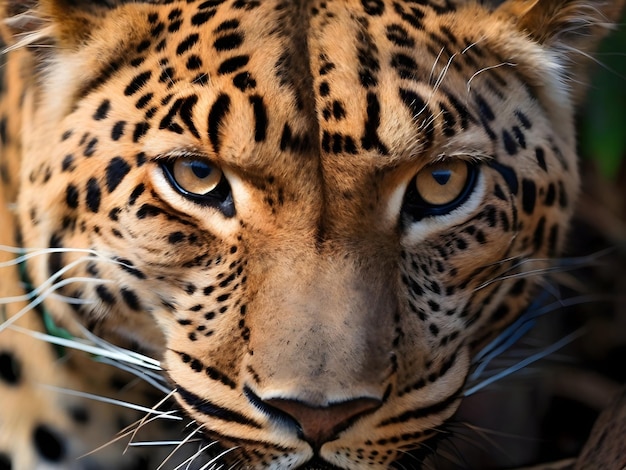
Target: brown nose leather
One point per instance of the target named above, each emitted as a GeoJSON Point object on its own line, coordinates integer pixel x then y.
{"type": "Point", "coordinates": [321, 424]}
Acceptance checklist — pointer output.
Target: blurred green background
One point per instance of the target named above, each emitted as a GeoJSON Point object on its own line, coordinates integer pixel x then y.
{"type": "Point", "coordinates": [603, 117]}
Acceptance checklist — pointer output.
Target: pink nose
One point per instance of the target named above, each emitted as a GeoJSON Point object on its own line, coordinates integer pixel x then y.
{"type": "Point", "coordinates": [322, 424]}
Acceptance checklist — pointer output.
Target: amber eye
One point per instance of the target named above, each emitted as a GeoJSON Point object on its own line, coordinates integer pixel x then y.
{"type": "Point", "coordinates": [196, 176]}
{"type": "Point", "coordinates": [200, 181]}
{"type": "Point", "coordinates": [439, 188]}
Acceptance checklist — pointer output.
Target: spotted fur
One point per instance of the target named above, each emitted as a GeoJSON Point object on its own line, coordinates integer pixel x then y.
{"type": "Point", "coordinates": [310, 310]}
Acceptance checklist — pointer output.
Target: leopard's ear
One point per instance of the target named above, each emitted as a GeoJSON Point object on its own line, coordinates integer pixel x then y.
{"type": "Point", "coordinates": [571, 23]}
{"type": "Point", "coordinates": [570, 29]}
{"type": "Point", "coordinates": [64, 23]}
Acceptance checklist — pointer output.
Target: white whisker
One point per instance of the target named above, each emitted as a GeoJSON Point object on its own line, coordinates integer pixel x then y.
{"type": "Point", "coordinates": [491, 67]}
{"type": "Point", "coordinates": [112, 401]}
{"type": "Point", "coordinates": [82, 345]}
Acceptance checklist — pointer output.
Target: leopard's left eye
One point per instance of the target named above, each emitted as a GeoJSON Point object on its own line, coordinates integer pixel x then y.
{"type": "Point", "coordinates": [200, 181]}
{"type": "Point", "coordinates": [439, 188]}
{"type": "Point", "coordinates": [194, 176]}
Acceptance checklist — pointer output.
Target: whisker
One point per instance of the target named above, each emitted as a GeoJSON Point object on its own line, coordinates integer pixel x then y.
{"type": "Point", "coordinates": [194, 456]}
{"type": "Point", "coordinates": [82, 345]}
{"type": "Point", "coordinates": [31, 306]}
{"type": "Point", "coordinates": [491, 67]}
{"type": "Point", "coordinates": [152, 379]}
{"type": "Point", "coordinates": [216, 459]}
{"type": "Point", "coordinates": [112, 401]}
{"type": "Point", "coordinates": [525, 362]}
{"type": "Point", "coordinates": [143, 421]}
{"type": "Point", "coordinates": [178, 447]}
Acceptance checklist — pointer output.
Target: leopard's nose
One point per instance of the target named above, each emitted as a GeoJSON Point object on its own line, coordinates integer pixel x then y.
{"type": "Point", "coordinates": [322, 424]}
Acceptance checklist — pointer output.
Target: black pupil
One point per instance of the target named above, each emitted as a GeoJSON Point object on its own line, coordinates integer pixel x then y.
{"type": "Point", "coordinates": [442, 176]}
{"type": "Point", "coordinates": [200, 169]}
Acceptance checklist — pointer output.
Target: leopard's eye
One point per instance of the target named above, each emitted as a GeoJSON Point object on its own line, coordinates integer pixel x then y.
{"type": "Point", "coordinates": [439, 188]}
{"type": "Point", "coordinates": [200, 181]}
{"type": "Point", "coordinates": [195, 177]}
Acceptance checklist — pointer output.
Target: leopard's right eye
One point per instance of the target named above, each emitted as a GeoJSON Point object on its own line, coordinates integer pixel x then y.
{"type": "Point", "coordinates": [200, 181]}
{"type": "Point", "coordinates": [439, 188]}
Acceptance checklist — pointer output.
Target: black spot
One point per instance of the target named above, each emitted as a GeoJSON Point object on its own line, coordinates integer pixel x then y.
{"type": "Point", "coordinates": [48, 443]}
{"type": "Point", "coordinates": [148, 210]}
{"type": "Point", "coordinates": [414, 16]}
{"type": "Point", "coordinates": [174, 26]}
{"type": "Point", "coordinates": [10, 368]}
{"type": "Point", "coordinates": [71, 196]}
{"type": "Point", "coordinates": [118, 130]}
{"type": "Point", "coordinates": [324, 89]}
{"type": "Point", "coordinates": [404, 65]}
{"type": "Point", "coordinates": [193, 62]}
{"type": "Point", "coordinates": [228, 42]}
{"type": "Point", "coordinates": [176, 237]}
{"type": "Point", "coordinates": [138, 191]}
{"type": "Point", "coordinates": [141, 128]}
{"type": "Point", "coordinates": [91, 147]}
{"type": "Point", "coordinates": [523, 119]}
{"type": "Point", "coordinates": [373, 7]}
{"type": "Point", "coordinates": [140, 158]}
{"type": "Point", "coordinates": [244, 81]}
{"type": "Point", "coordinates": [509, 143]}
{"type": "Point", "coordinates": [130, 268]}
{"type": "Point", "coordinates": [518, 288]}
{"type": "Point", "coordinates": [93, 195]}
{"type": "Point", "coordinates": [105, 295]}
{"type": "Point", "coordinates": [137, 83]}
{"type": "Point", "coordinates": [103, 110]}
{"type": "Point", "coordinates": [144, 100]}
{"type": "Point", "coordinates": [420, 109]}
{"type": "Point", "coordinates": [5, 462]}
{"type": "Point", "coordinates": [539, 233]}
{"type": "Point", "coordinates": [202, 17]}
{"type": "Point", "coordinates": [484, 109]}
{"type": "Point", "coordinates": [143, 45]}
{"type": "Point", "coordinates": [260, 118]}
{"type": "Point", "coordinates": [370, 138]}
{"type": "Point", "coordinates": [186, 114]}
{"type": "Point", "coordinates": [55, 258]}
{"type": "Point", "coordinates": [79, 414]}
{"type": "Point", "coordinates": [501, 312]}
{"type": "Point", "coordinates": [187, 43]}
{"type": "Point", "coordinates": [519, 136]}
{"type": "Point", "coordinates": [233, 64]}
{"type": "Point", "coordinates": [227, 25]}
{"type": "Point", "coordinates": [218, 111]}
{"type": "Point", "coordinates": [116, 170]}
{"type": "Point", "coordinates": [529, 195]}
{"type": "Point", "coordinates": [68, 163]}
{"type": "Point", "coordinates": [448, 121]}
{"type": "Point", "coordinates": [399, 36]}
{"type": "Point", "coordinates": [130, 298]}
{"type": "Point", "coordinates": [540, 155]}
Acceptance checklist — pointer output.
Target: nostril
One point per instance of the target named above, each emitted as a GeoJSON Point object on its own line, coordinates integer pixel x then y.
{"type": "Point", "coordinates": [321, 424]}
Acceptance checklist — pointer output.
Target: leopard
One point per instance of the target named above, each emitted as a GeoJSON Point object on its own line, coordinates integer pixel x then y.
{"type": "Point", "coordinates": [274, 234]}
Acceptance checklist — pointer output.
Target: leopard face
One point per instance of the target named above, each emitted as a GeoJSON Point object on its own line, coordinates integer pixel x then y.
{"type": "Point", "coordinates": [313, 213]}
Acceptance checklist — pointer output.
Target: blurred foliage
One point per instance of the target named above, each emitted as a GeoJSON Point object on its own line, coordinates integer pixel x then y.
{"type": "Point", "coordinates": [603, 117]}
